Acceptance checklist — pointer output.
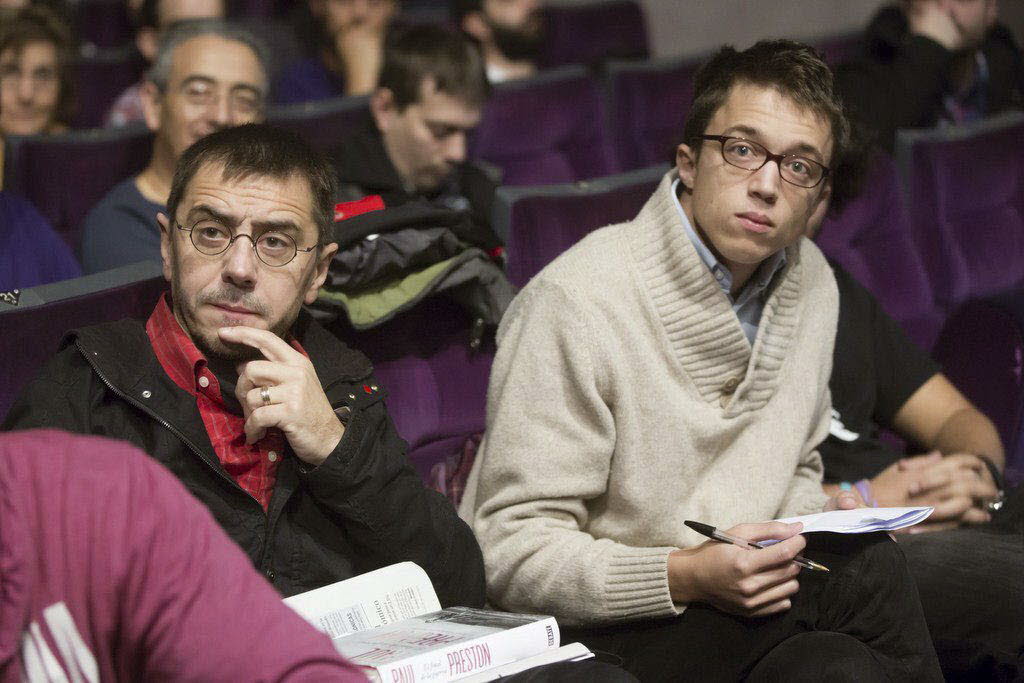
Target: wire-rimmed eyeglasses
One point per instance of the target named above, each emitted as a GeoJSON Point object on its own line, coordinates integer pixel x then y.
{"type": "Point", "coordinates": [752, 156]}
{"type": "Point", "coordinates": [209, 237]}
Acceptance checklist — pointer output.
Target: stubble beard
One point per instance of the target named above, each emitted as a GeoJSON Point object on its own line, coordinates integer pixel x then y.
{"type": "Point", "coordinates": [209, 342]}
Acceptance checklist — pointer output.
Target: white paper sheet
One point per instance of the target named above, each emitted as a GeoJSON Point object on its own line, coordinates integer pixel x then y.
{"type": "Point", "coordinates": [862, 520]}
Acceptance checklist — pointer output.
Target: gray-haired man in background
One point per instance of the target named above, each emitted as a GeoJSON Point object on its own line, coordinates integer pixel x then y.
{"type": "Point", "coordinates": [207, 75]}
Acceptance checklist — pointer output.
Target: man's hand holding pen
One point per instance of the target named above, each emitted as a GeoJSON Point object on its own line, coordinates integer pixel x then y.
{"type": "Point", "coordinates": [737, 580]}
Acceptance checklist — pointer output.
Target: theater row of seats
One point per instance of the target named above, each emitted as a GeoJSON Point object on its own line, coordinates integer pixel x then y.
{"type": "Point", "coordinates": [938, 236]}
{"type": "Point", "coordinates": [567, 124]}
{"type": "Point", "coordinates": [587, 33]}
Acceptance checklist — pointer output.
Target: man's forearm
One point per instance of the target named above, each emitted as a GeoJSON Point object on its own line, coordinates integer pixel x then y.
{"type": "Point", "coordinates": [968, 431]}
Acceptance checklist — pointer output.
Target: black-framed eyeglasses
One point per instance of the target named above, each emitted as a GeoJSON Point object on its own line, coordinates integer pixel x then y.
{"type": "Point", "coordinates": [209, 237]}
{"type": "Point", "coordinates": [751, 156]}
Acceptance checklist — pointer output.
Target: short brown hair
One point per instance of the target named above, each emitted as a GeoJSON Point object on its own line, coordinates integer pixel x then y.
{"type": "Point", "coordinates": [416, 53]}
{"type": "Point", "coordinates": [39, 24]}
{"type": "Point", "coordinates": [262, 150]}
{"type": "Point", "coordinates": [796, 71]}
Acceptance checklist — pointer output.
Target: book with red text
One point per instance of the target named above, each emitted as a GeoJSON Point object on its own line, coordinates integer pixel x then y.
{"type": "Point", "coordinates": [390, 622]}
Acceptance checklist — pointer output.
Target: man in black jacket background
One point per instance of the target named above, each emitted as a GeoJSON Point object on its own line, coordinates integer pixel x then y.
{"type": "Point", "coordinates": [932, 61]}
{"type": "Point", "coordinates": [273, 424]}
{"type": "Point", "coordinates": [430, 95]}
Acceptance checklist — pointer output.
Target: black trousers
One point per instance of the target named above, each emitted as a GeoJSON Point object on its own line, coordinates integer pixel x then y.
{"type": "Point", "coordinates": [860, 622]}
{"type": "Point", "coordinates": [971, 583]}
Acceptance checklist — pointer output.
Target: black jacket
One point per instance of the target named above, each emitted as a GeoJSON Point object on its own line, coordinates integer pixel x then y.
{"type": "Point", "coordinates": [361, 509]}
{"type": "Point", "coordinates": [901, 80]}
{"type": "Point", "coordinates": [364, 168]}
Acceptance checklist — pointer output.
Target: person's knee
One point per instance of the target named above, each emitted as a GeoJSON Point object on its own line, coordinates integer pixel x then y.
{"type": "Point", "coordinates": [819, 656]}
{"type": "Point", "coordinates": [882, 551]}
{"type": "Point", "coordinates": [872, 564]}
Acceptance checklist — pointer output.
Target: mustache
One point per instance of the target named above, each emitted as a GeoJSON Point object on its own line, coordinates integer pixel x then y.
{"type": "Point", "coordinates": [232, 296]}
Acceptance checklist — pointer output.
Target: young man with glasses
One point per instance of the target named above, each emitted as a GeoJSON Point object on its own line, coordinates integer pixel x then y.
{"type": "Point", "coordinates": [676, 368]}
{"type": "Point", "coordinates": [269, 421]}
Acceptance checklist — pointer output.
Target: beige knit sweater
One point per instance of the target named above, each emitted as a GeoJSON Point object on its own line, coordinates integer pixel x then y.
{"type": "Point", "coordinates": [625, 399]}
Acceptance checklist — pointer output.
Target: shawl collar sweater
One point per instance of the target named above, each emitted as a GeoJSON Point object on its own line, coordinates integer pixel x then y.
{"type": "Point", "coordinates": [624, 399]}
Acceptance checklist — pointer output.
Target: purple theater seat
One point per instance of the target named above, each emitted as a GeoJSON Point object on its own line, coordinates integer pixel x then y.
{"type": "Point", "coordinates": [278, 36]}
{"type": "Point", "coordinates": [594, 32]}
{"type": "Point", "coordinates": [839, 49]}
{"type": "Point", "coordinates": [547, 129]}
{"type": "Point", "coordinates": [65, 175]}
{"type": "Point", "coordinates": [981, 350]}
{"type": "Point", "coordinates": [539, 223]}
{"type": "Point", "coordinates": [102, 23]}
{"type": "Point", "coordinates": [436, 385]}
{"type": "Point", "coordinates": [966, 197]}
{"type": "Point", "coordinates": [871, 239]}
{"type": "Point", "coordinates": [100, 79]}
{"type": "Point", "coordinates": [255, 9]}
{"type": "Point", "coordinates": [34, 328]}
{"type": "Point", "coordinates": [648, 103]}
{"type": "Point", "coordinates": [323, 123]}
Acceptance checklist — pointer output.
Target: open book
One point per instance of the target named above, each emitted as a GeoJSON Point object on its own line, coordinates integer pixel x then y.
{"type": "Point", "coordinates": [390, 622]}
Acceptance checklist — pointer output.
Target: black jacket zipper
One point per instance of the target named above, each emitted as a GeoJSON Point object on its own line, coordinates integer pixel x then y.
{"type": "Point", "coordinates": [171, 428]}
{"type": "Point", "coordinates": [268, 523]}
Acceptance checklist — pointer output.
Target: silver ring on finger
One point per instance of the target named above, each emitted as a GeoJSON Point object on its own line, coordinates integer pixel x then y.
{"type": "Point", "coordinates": [265, 395]}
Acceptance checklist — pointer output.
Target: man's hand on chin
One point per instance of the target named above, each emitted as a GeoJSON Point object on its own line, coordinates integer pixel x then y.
{"type": "Point", "coordinates": [930, 19]}
{"type": "Point", "coordinates": [283, 391]}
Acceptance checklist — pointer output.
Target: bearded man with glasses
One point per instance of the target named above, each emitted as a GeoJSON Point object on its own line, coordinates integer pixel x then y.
{"type": "Point", "coordinates": [273, 424]}
{"type": "Point", "coordinates": [673, 368]}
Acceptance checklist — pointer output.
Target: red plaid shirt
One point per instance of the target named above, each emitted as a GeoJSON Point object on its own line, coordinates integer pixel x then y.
{"type": "Point", "coordinates": [254, 466]}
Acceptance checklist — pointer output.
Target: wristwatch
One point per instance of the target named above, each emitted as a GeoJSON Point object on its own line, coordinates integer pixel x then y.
{"type": "Point", "coordinates": [997, 476]}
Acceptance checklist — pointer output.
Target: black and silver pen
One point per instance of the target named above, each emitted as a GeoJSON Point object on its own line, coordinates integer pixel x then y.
{"type": "Point", "coordinates": [714, 534]}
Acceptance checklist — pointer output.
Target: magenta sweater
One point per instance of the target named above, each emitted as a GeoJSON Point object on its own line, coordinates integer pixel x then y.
{"type": "Point", "coordinates": [110, 570]}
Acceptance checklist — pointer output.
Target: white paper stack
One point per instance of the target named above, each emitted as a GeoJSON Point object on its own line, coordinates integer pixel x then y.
{"type": "Point", "coordinates": [862, 520]}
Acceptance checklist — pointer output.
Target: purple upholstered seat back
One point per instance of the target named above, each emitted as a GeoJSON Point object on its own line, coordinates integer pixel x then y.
{"type": "Point", "coordinates": [539, 223]}
{"type": "Point", "coordinates": [871, 239]}
{"type": "Point", "coordinates": [966, 194]}
{"type": "Point", "coordinates": [100, 79]}
{"type": "Point", "coordinates": [548, 129]}
{"type": "Point", "coordinates": [102, 23]}
{"type": "Point", "coordinates": [32, 333]}
{"type": "Point", "coordinates": [436, 385]}
{"type": "Point", "coordinates": [648, 103]}
{"type": "Point", "coordinates": [594, 32]}
{"type": "Point", "coordinates": [323, 123]}
{"type": "Point", "coordinates": [64, 176]}
{"type": "Point", "coordinates": [257, 8]}
{"type": "Point", "coordinates": [840, 48]}
{"type": "Point", "coordinates": [981, 350]}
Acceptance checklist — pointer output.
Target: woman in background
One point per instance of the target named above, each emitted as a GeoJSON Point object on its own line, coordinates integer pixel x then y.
{"type": "Point", "coordinates": [35, 80]}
